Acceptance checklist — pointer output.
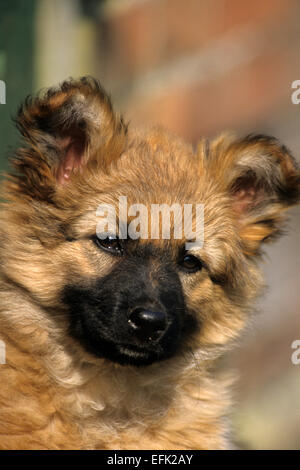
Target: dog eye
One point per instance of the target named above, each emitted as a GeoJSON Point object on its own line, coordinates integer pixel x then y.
{"type": "Point", "coordinates": [190, 263]}
{"type": "Point", "coordinates": [111, 244]}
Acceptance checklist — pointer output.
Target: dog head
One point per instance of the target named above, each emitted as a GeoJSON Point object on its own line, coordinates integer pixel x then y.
{"type": "Point", "coordinates": [132, 290]}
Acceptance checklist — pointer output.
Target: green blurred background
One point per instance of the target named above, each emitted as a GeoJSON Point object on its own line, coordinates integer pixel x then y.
{"type": "Point", "coordinates": [197, 67]}
{"type": "Point", "coordinates": [16, 64]}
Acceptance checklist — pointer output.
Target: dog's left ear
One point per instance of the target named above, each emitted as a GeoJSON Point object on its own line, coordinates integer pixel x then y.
{"type": "Point", "coordinates": [65, 128]}
{"type": "Point", "coordinates": [262, 180]}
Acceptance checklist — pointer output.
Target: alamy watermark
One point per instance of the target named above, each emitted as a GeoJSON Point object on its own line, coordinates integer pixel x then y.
{"type": "Point", "coordinates": [180, 221]}
{"type": "Point", "coordinates": [295, 357]}
{"type": "Point", "coordinates": [295, 96]}
{"type": "Point", "coordinates": [2, 92]}
{"type": "Point", "coordinates": [2, 352]}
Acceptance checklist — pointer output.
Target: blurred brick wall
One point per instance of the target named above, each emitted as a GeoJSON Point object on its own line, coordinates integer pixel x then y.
{"type": "Point", "coordinates": [200, 67]}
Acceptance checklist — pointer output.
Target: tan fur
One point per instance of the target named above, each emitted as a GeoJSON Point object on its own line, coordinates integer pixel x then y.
{"type": "Point", "coordinates": [55, 395]}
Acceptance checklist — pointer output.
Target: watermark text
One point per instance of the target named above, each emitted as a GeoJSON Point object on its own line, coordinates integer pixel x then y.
{"type": "Point", "coordinates": [2, 352]}
{"type": "Point", "coordinates": [159, 221]}
{"type": "Point", "coordinates": [295, 357]}
{"type": "Point", "coordinates": [2, 92]}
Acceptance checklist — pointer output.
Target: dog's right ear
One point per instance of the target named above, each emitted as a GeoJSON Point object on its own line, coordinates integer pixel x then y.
{"type": "Point", "coordinates": [262, 180]}
{"type": "Point", "coordinates": [64, 129]}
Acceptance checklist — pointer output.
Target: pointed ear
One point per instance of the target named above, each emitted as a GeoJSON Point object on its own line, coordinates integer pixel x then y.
{"type": "Point", "coordinates": [64, 129]}
{"type": "Point", "coordinates": [262, 180]}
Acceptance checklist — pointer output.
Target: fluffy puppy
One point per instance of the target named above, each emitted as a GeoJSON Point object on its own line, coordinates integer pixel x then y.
{"type": "Point", "coordinates": [112, 342]}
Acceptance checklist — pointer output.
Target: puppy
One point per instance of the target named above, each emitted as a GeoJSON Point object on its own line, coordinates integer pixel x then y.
{"type": "Point", "coordinates": [113, 322]}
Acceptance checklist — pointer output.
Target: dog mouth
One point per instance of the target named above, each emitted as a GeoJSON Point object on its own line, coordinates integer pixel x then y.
{"type": "Point", "coordinates": [128, 350]}
{"type": "Point", "coordinates": [134, 355]}
{"type": "Point", "coordinates": [139, 354]}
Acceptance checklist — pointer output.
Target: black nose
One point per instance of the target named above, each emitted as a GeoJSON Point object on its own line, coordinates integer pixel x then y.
{"type": "Point", "coordinates": [148, 324]}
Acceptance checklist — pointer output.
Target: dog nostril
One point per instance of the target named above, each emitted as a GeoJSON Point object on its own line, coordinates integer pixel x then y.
{"type": "Point", "coordinates": [147, 322]}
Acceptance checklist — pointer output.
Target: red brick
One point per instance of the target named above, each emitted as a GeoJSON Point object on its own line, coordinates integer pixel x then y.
{"type": "Point", "coordinates": [242, 96]}
{"type": "Point", "coordinates": [148, 34]}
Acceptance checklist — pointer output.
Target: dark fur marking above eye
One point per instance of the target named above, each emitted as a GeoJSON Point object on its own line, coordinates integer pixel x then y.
{"type": "Point", "coordinates": [220, 279]}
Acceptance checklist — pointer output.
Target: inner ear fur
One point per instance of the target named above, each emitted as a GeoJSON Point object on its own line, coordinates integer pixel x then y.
{"type": "Point", "coordinates": [262, 180]}
{"type": "Point", "coordinates": [64, 128]}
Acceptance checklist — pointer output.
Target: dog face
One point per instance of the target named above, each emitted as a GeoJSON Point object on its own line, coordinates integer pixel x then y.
{"type": "Point", "coordinates": [137, 300]}
{"type": "Point", "coordinates": [124, 317]}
